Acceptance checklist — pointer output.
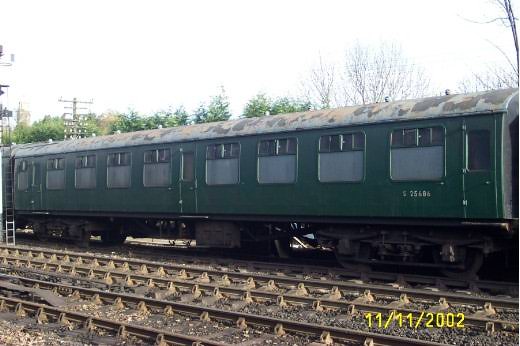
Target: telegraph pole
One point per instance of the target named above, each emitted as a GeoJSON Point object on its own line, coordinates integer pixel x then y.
{"type": "Point", "coordinates": [75, 124]}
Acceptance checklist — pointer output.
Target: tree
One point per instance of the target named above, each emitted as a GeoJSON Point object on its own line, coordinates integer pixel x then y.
{"type": "Point", "coordinates": [133, 121]}
{"type": "Point", "coordinates": [495, 77]}
{"type": "Point", "coordinates": [261, 105]}
{"type": "Point", "coordinates": [106, 121]}
{"type": "Point", "coordinates": [91, 125]}
{"type": "Point", "coordinates": [500, 76]}
{"type": "Point", "coordinates": [200, 114]}
{"type": "Point", "coordinates": [286, 104]}
{"type": "Point", "coordinates": [21, 134]}
{"type": "Point", "coordinates": [319, 89]}
{"type": "Point", "coordinates": [166, 118]}
{"type": "Point", "coordinates": [41, 131]}
{"type": "Point", "coordinates": [258, 106]}
{"type": "Point", "coordinates": [110, 122]}
{"type": "Point", "coordinates": [217, 110]}
{"type": "Point", "coordinates": [128, 122]}
{"type": "Point", "coordinates": [180, 117]}
{"type": "Point", "coordinates": [369, 74]}
{"type": "Point", "coordinates": [373, 73]}
{"type": "Point", "coordinates": [48, 128]}
{"type": "Point", "coordinates": [511, 23]}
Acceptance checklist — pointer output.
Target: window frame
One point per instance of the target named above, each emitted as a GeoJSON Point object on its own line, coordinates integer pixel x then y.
{"type": "Point", "coordinates": [108, 165]}
{"type": "Point", "coordinates": [181, 176]}
{"type": "Point", "coordinates": [341, 133]}
{"type": "Point", "coordinates": [157, 161]}
{"type": "Point", "coordinates": [156, 156]}
{"type": "Point", "coordinates": [22, 166]}
{"type": "Point", "coordinates": [206, 159]}
{"type": "Point", "coordinates": [277, 154]}
{"type": "Point", "coordinates": [417, 145]}
{"type": "Point", "coordinates": [119, 153]}
{"type": "Point", "coordinates": [35, 171]}
{"type": "Point", "coordinates": [87, 166]}
{"type": "Point", "coordinates": [59, 164]}
{"type": "Point", "coordinates": [56, 164]}
{"type": "Point", "coordinates": [417, 137]}
{"type": "Point", "coordinates": [467, 149]}
{"type": "Point", "coordinates": [82, 157]}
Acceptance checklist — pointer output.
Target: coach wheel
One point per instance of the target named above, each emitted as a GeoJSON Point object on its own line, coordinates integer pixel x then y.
{"type": "Point", "coordinates": [356, 263]}
{"type": "Point", "coordinates": [83, 239]}
{"type": "Point", "coordinates": [283, 247]}
{"type": "Point", "coordinates": [113, 237]}
{"type": "Point", "coordinates": [468, 270]}
{"type": "Point", "coordinates": [40, 231]}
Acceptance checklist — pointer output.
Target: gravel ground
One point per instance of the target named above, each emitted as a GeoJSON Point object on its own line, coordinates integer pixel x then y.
{"type": "Point", "coordinates": [341, 319]}
{"type": "Point", "coordinates": [17, 332]}
{"type": "Point", "coordinates": [28, 333]}
{"type": "Point", "coordinates": [189, 326]}
{"type": "Point", "coordinates": [202, 263]}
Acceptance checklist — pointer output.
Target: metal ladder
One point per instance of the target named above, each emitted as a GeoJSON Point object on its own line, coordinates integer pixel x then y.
{"type": "Point", "coordinates": [8, 232]}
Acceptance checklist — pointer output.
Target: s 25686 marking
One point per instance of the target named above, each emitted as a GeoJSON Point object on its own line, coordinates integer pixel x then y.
{"type": "Point", "coordinates": [417, 193]}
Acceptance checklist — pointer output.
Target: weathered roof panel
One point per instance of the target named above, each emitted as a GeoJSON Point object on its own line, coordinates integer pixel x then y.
{"type": "Point", "coordinates": [445, 106]}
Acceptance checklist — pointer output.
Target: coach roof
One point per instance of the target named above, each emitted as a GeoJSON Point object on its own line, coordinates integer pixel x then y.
{"type": "Point", "coordinates": [431, 107]}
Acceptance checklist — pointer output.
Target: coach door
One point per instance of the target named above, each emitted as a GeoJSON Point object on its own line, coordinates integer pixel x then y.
{"type": "Point", "coordinates": [35, 189]}
{"type": "Point", "coordinates": [480, 200]}
{"type": "Point", "coordinates": [188, 178]}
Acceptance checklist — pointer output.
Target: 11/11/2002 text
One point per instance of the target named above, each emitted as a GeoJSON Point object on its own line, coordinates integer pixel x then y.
{"type": "Point", "coordinates": [425, 319]}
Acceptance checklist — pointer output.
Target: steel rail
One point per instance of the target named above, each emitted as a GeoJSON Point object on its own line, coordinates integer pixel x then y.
{"type": "Point", "coordinates": [482, 321]}
{"type": "Point", "coordinates": [241, 320]}
{"type": "Point", "coordinates": [42, 312]}
{"type": "Point", "coordinates": [510, 288]}
{"type": "Point", "coordinates": [347, 286]}
{"type": "Point", "coordinates": [304, 268]}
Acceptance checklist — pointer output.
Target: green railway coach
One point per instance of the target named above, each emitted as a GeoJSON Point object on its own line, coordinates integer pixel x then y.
{"type": "Point", "coordinates": [432, 181]}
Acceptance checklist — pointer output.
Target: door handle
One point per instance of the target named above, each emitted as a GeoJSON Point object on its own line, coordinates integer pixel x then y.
{"type": "Point", "coordinates": [488, 182]}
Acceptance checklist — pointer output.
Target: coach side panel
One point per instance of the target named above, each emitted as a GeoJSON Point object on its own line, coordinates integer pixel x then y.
{"type": "Point", "coordinates": [310, 192]}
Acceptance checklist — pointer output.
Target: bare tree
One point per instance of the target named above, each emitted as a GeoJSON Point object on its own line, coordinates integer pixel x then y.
{"type": "Point", "coordinates": [509, 20]}
{"type": "Point", "coordinates": [319, 87]}
{"type": "Point", "coordinates": [373, 73]}
{"type": "Point", "coordinates": [497, 76]}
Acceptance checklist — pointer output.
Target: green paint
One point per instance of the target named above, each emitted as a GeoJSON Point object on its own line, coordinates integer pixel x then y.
{"type": "Point", "coordinates": [376, 196]}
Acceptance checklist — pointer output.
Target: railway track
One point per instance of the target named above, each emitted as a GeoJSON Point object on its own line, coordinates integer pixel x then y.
{"type": "Point", "coordinates": [303, 270]}
{"type": "Point", "coordinates": [207, 291]}
{"type": "Point", "coordinates": [144, 270]}
{"type": "Point", "coordinates": [485, 318]}
{"type": "Point", "coordinates": [45, 314]}
{"type": "Point", "coordinates": [241, 321]}
{"type": "Point", "coordinates": [299, 266]}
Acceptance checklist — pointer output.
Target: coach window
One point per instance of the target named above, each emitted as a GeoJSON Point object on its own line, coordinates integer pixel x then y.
{"type": "Point", "coordinates": [23, 175]}
{"type": "Point", "coordinates": [479, 153]}
{"type": "Point", "coordinates": [222, 163]}
{"type": "Point", "coordinates": [417, 154]}
{"type": "Point", "coordinates": [341, 157]}
{"type": "Point", "coordinates": [157, 169]}
{"type": "Point", "coordinates": [188, 168]}
{"type": "Point", "coordinates": [55, 174]}
{"type": "Point", "coordinates": [85, 172]}
{"type": "Point", "coordinates": [277, 161]}
{"type": "Point", "coordinates": [118, 170]}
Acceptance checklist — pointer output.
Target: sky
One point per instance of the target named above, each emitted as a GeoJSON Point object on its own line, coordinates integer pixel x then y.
{"type": "Point", "coordinates": [150, 55]}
